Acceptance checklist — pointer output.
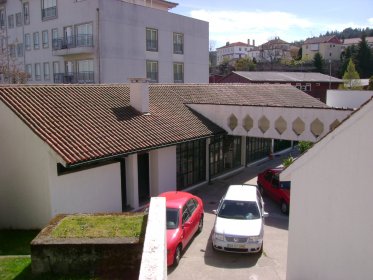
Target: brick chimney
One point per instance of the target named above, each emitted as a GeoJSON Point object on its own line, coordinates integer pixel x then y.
{"type": "Point", "coordinates": [139, 94]}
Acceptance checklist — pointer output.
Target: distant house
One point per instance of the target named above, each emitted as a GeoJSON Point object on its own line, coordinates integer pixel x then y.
{"type": "Point", "coordinates": [233, 51]}
{"type": "Point", "coordinates": [328, 46]}
{"type": "Point", "coordinates": [330, 228]}
{"type": "Point", "coordinates": [271, 51]}
{"type": "Point", "coordinates": [355, 41]}
{"type": "Point", "coordinates": [315, 84]}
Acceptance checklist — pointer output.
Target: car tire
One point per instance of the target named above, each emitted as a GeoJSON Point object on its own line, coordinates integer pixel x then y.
{"type": "Point", "coordinates": [177, 256]}
{"type": "Point", "coordinates": [200, 225]}
{"type": "Point", "coordinates": [284, 207]}
{"type": "Point", "coordinates": [261, 189]}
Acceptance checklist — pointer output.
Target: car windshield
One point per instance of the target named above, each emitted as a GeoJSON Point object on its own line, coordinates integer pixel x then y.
{"type": "Point", "coordinates": [285, 185]}
{"type": "Point", "coordinates": [172, 218]}
{"type": "Point", "coordinates": [240, 210]}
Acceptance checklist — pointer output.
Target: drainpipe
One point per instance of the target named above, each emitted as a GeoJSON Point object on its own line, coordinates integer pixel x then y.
{"type": "Point", "coordinates": [98, 46]}
{"type": "Point", "coordinates": [23, 36]}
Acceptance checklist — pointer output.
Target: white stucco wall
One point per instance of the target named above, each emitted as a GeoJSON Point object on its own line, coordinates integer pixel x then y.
{"type": "Point", "coordinates": [92, 190]}
{"type": "Point", "coordinates": [162, 170]}
{"type": "Point", "coordinates": [24, 193]}
{"type": "Point", "coordinates": [330, 230]}
{"type": "Point", "coordinates": [123, 43]}
{"type": "Point", "coordinates": [347, 98]}
{"type": "Point", "coordinates": [220, 115]}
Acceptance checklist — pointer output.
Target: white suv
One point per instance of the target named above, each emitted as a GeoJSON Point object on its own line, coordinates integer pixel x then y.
{"type": "Point", "coordinates": [239, 221]}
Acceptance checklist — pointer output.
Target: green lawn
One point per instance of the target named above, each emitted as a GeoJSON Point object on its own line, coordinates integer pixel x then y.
{"type": "Point", "coordinates": [99, 226]}
{"type": "Point", "coordinates": [16, 242]}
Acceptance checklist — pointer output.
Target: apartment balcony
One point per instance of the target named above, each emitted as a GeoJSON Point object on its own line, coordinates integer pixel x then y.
{"type": "Point", "coordinates": [80, 44]}
{"type": "Point", "coordinates": [87, 77]}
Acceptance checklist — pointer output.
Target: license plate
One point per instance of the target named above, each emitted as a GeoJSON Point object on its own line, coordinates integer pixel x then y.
{"type": "Point", "coordinates": [236, 246]}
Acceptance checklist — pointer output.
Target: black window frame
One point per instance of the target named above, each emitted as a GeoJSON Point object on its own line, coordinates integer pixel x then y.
{"type": "Point", "coordinates": [50, 12]}
{"type": "Point", "coordinates": [152, 76]}
{"type": "Point", "coordinates": [178, 42]}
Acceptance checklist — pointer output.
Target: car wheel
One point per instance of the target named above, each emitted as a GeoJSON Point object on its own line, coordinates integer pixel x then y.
{"type": "Point", "coordinates": [284, 207]}
{"type": "Point", "coordinates": [177, 256]}
{"type": "Point", "coordinates": [261, 189]}
{"type": "Point", "coordinates": [200, 225]}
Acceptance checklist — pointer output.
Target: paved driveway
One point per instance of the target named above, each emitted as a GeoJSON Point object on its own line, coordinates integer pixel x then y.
{"type": "Point", "coordinates": [200, 261]}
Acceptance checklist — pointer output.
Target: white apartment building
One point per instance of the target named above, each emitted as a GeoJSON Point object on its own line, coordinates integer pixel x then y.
{"type": "Point", "coordinates": [104, 41]}
{"type": "Point", "coordinates": [233, 51]}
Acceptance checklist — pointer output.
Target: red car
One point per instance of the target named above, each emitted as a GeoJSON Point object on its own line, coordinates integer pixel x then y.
{"type": "Point", "coordinates": [184, 218]}
{"type": "Point", "coordinates": [269, 184]}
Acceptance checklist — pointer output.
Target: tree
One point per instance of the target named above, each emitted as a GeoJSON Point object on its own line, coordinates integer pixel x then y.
{"type": "Point", "coordinates": [318, 62]}
{"type": "Point", "coordinates": [364, 60]}
{"type": "Point", "coordinates": [245, 64]}
{"type": "Point", "coordinates": [350, 52]}
{"type": "Point", "coordinates": [370, 86]}
{"type": "Point", "coordinates": [225, 68]}
{"type": "Point", "coordinates": [351, 77]}
{"type": "Point", "coordinates": [11, 70]}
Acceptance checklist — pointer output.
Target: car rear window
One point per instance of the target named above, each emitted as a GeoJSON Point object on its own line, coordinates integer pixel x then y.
{"type": "Point", "coordinates": [240, 210]}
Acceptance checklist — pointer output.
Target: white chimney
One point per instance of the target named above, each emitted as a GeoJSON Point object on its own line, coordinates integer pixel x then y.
{"type": "Point", "coordinates": [254, 43]}
{"type": "Point", "coordinates": [248, 42]}
{"type": "Point", "coordinates": [139, 94]}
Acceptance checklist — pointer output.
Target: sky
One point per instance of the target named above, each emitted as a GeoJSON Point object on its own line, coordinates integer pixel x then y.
{"type": "Point", "coordinates": [261, 20]}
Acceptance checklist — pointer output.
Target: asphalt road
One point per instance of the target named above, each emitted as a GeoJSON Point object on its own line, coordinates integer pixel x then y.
{"type": "Point", "coordinates": [200, 261]}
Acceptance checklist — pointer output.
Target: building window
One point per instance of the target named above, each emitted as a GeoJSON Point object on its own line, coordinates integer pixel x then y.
{"type": "Point", "coordinates": [26, 13]}
{"type": "Point", "coordinates": [56, 71]}
{"type": "Point", "coordinates": [178, 43]}
{"type": "Point", "coordinates": [152, 71]}
{"type": "Point", "coordinates": [308, 87]}
{"type": "Point", "coordinates": [46, 71]}
{"type": "Point", "coordinates": [11, 21]}
{"type": "Point", "coordinates": [225, 154]}
{"type": "Point", "coordinates": [298, 86]}
{"type": "Point", "coordinates": [84, 35]}
{"type": "Point", "coordinates": [257, 148]}
{"type": "Point", "coordinates": [45, 39]}
{"type": "Point", "coordinates": [28, 70]}
{"type": "Point", "coordinates": [151, 39]}
{"type": "Point", "coordinates": [20, 50]}
{"type": "Point", "coordinates": [48, 9]}
{"type": "Point", "coordinates": [37, 72]}
{"type": "Point", "coordinates": [2, 18]}
{"type": "Point", "coordinates": [190, 163]}
{"type": "Point", "coordinates": [55, 38]}
{"type": "Point", "coordinates": [28, 41]}
{"type": "Point", "coordinates": [178, 72]}
{"type": "Point", "coordinates": [36, 40]}
{"type": "Point", "coordinates": [19, 19]}
{"type": "Point", "coordinates": [85, 72]}
{"type": "Point", "coordinates": [12, 50]}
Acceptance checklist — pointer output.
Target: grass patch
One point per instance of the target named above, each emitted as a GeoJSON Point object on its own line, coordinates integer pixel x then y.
{"type": "Point", "coordinates": [16, 242]}
{"type": "Point", "coordinates": [103, 226]}
{"type": "Point", "coordinates": [12, 267]}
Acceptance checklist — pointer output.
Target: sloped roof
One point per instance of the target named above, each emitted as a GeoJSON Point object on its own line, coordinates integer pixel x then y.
{"type": "Point", "coordinates": [266, 76]}
{"type": "Point", "coordinates": [93, 122]}
{"type": "Point", "coordinates": [236, 44]}
{"type": "Point", "coordinates": [356, 41]}
{"type": "Point", "coordinates": [322, 39]}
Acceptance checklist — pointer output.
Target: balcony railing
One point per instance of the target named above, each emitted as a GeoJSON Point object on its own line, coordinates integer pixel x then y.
{"type": "Point", "coordinates": [86, 77]}
{"type": "Point", "coordinates": [48, 13]}
{"type": "Point", "coordinates": [178, 48]}
{"type": "Point", "coordinates": [84, 40]}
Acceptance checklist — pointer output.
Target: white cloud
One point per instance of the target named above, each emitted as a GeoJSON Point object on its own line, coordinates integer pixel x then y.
{"type": "Point", "coordinates": [241, 25]}
{"type": "Point", "coordinates": [370, 20]}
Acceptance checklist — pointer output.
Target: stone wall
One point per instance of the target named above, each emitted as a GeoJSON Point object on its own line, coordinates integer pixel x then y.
{"type": "Point", "coordinates": [109, 257]}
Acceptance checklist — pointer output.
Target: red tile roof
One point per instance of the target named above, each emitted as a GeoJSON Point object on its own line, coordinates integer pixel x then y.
{"type": "Point", "coordinates": [93, 122]}
{"type": "Point", "coordinates": [236, 44]}
{"type": "Point", "coordinates": [323, 39]}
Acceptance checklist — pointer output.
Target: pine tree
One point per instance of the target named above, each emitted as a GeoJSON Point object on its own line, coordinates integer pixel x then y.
{"type": "Point", "coordinates": [364, 59]}
{"type": "Point", "coordinates": [351, 77]}
{"type": "Point", "coordinates": [318, 62]}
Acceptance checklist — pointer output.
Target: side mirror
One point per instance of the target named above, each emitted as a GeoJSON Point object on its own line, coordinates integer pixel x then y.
{"type": "Point", "coordinates": [265, 214]}
{"type": "Point", "coordinates": [215, 211]}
